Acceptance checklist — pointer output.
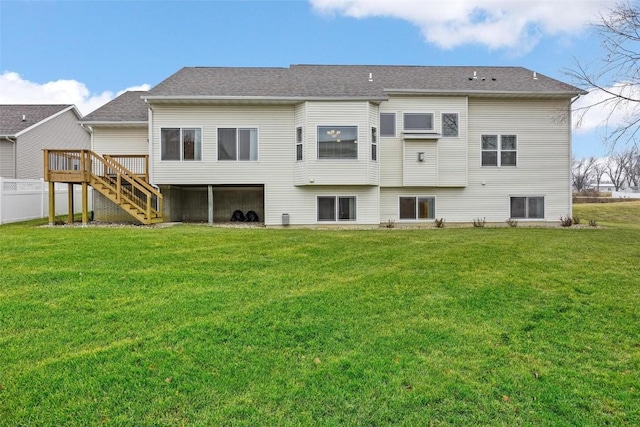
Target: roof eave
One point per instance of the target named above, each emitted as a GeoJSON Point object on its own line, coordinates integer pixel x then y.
{"type": "Point", "coordinates": [114, 123]}
{"type": "Point", "coordinates": [248, 99]}
{"type": "Point", "coordinates": [496, 93]}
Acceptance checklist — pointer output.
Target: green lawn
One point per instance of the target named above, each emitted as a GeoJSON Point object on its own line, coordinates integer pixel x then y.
{"type": "Point", "coordinates": [192, 325]}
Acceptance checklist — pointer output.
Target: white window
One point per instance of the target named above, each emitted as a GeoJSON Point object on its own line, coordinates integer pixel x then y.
{"type": "Point", "coordinates": [299, 143]}
{"type": "Point", "coordinates": [449, 124]}
{"type": "Point", "coordinates": [181, 144]}
{"type": "Point", "coordinates": [527, 207]}
{"type": "Point", "coordinates": [418, 121]}
{"type": "Point", "coordinates": [374, 144]}
{"type": "Point", "coordinates": [237, 144]}
{"type": "Point", "coordinates": [499, 150]}
{"type": "Point", "coordinates": [388, 124]}
{"type": "Point", "coordinates": [337, 142]}
{"type": "Point", "coordinates": [336, 208]}
{"type": "Point", "coordinates": [417, 208]}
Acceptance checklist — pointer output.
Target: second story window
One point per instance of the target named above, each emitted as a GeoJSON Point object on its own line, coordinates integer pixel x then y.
{"type": "Point", "coordinates": [499, 150]}
{"type": "Point", "coordinates": [418, 121]}
{"type": "Point", "coordinates": [374, 144]}
{"type": "Point", "coordinates": [388, 124]}
{"type": "Point", "coordinates": [450, 124]}
{"type": "Point", "coordinates": [237, 144]}
{"type": "Point", "coordinates": [181, 144]}
{"type": "Point", "coordinates": [299, 143]}
{"type": "Point", "coordinates": [337, 142]}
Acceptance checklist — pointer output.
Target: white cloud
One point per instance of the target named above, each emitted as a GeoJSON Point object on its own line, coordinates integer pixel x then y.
{"type": "Point", "coordinates": [516, 25]}
{"type": "Point", "coordinates": [16, 90]}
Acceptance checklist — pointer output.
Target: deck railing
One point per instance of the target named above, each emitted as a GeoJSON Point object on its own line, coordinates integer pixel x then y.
{"type": "Point", "coordinates": [129, 186]}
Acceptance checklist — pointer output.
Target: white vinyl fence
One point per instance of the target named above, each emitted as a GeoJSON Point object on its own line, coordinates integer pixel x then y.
{"type": "Point", "coordinates": [24, 199]}
{"type": "Point", "coordinates": [625, 194]}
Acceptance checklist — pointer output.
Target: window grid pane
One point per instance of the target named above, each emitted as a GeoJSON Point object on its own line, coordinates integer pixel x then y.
{"type": "Point", "coordinates": [407, 208]}
{"type": "Point", "coordinates": [535, 207]}
{"type": "Point", "coordinates": [346, 208]}
{"type": "Point", "coordinates": [426, 208]}
{"type": "Point", "coordinates": [170, 141]}
{"type": "Point", "coordinates": [227, 144]}
{"type": "Point", "coordinates": [326, 208]}
{"type": "Point", "coordinates": [518, 207]}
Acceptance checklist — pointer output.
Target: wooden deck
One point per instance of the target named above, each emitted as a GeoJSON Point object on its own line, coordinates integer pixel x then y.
{"type": "Point", "coordinates": [123, 179]}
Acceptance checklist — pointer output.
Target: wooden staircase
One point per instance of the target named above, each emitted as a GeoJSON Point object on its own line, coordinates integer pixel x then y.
{"type": "Point", "coordinates": [108, 176]}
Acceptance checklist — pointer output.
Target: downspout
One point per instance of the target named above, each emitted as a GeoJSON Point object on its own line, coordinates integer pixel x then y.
{"type": "Point", "coordinates": [150, 141]}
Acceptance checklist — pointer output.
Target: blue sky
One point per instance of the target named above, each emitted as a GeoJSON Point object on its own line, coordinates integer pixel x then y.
{"type": "Point", "coordinates": [86, 52]}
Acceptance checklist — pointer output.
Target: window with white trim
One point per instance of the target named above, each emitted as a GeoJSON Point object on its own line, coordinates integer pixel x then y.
{"type": "Point", "coordinates": [374, 144]}
{"type": "Point", "coordinates": [450, 125]}
{"type": "Point", "coordinates": [388, 124]}
{"type": "Point", "coordinates": [418, 121]}
{"type": "Point", "coordinates": [299, 143]}
{"type": "Point", "coordinates": [417, 208]}
{"type": "Point", "coordinates": [336, 208]}
{"type": "Point", "coordinates": [181, 144]}
{"type": "Point", "coordinates": [499, 150]}
{"type": "Point", "coordinates": [238, 144]}
{"type": "Point", "coordinates": [527, 207]}
{"type": "Point", "coordinates": [337, 142]}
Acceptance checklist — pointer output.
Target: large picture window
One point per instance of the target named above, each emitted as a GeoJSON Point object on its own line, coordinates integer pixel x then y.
{"type": "Point", "coordinates": [181, 144]}
{"type": "Point", "coordinates": [499, 150]}
{"type": "Point", "coordinates": [336, 208]}
{"type": "Point", "coordinates": [237, 144]}
{"type": "Point", "coordinates": [337, 142]}
{"type": "Point", "coordinates": [416, 208]}
{"type": "Point", "coordinates": [527, 207]}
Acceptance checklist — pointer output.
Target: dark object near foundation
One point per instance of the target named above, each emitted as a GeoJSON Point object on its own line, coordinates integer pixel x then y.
{"type": "Point", "coordinates": [237, 216]}
{"type": "Point", "coordinates": [252, 217]}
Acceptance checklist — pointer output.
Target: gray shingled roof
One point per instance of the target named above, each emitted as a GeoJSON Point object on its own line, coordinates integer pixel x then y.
{"type": "Point", "coordinates": [128, 107]}
{"type": "Point", "coordinates": [338, 81]}
{"type": "Point", "coordinates": [11, 121]}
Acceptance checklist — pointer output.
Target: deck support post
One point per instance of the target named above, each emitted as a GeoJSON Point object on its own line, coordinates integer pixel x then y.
{"type": "Point", "coordinates": [85, 203]}
{"type": "Point", "coordinates": [52, 203]}
{"type": "Point", "coordinates": [70, 199]}
{"type": "Point", "coordinates": [210, 199]}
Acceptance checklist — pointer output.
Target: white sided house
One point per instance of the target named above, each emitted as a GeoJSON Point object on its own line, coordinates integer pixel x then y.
{"type": "Point", "coordinates": [358, 145]}
{"type": "Point", "coordinates": [25, 130]}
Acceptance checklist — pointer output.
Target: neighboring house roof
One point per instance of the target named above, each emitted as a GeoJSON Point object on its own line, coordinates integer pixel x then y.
{"type": "Point", "coordinates": [127, 108]}
{"type": "Point", "coordinates": [11, 117]}
{"type": "Point", "coordinates": [373, 82]}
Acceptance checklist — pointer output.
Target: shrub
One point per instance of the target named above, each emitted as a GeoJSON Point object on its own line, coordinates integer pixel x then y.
{"type": "Point", "coordinates": [440, 222]}
{"type": "Point", "coordinates": [576, 220]}
{"type": "Point", "coordinates": [593, 223]}
{"type": "Point", "coordinates": [511, 222]}
{"type": "Point", "coordinates": [390, 224]}
{"type": "Point", "coordinates": [479, 223]}
{"type": "Point", "coordinates": [566, 221]}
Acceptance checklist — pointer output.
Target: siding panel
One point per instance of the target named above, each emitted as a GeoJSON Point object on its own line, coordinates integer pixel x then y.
{"type": "Point", "coordinates": [7, 162]}
{"type": "Point", "coordinates": [62, 132]}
